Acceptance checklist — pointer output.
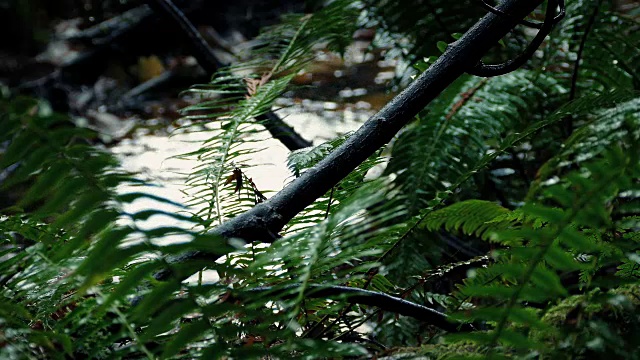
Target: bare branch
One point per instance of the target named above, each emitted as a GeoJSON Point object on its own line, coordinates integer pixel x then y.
{"type": "Point", "coordinates": [380, 300]}
{"type": "Point", "coordinates": [211, 63]}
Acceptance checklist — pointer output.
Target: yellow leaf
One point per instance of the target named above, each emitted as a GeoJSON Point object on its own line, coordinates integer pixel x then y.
{"type": "Point", "coordinates": [149, 67]}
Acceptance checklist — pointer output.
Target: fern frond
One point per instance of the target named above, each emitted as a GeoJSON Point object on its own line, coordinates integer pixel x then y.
{"type": "Point", "coordinates": [532, 271]}
{"type": "Point", "coordinates": [68, 203]}
{"type": "Point", "coordinates": [413, 246]}
{"type": "Point", "coordinates": [472, 217]}
{"type": "Point", "coordinates": [72, 256]}
{"type": "Point", "coordinates": [594, 49]}
{"type": "Point", "coordinates": [213, 195]}
{"type": "Point", "coordinates": [249, 90]}
{"type": "Point", "coordinates": [610, 120]}
{"type": "Point", "coordinates": [303, 159]}
{"type": "Point", "coordinates": [339, 250]}
{"type": "Point", "coordinates": [444, 145]}
{"type": "Point", "coordinates": [346, 236]}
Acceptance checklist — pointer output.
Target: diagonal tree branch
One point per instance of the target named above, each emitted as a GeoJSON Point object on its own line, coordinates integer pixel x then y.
{"type": "Point", "coordinates": [270, 216]}
{"type": "Point", "coordinates": [265, 220]}
{"type": "Point", "coordinates": [211, 63]}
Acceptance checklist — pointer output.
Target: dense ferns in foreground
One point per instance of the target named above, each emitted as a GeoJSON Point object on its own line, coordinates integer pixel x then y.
{"type": "Point", "coordinates": [510, 203]}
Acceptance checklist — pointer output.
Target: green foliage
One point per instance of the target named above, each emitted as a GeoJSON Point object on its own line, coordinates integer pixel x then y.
{"type": "Point", "coordinates": [473, 217]}
{"type": "Point", "coordinates": [241, 93]}
{"type": "Point", "coordinates": [603, 40]}
{"type": "Point", "coordinates": [447, 139]}
{"type": "Point", "coordinates": [594, 313]}
{"type": "Point", "coordinates": [512, 203]}
{"type": "Point", "coordinates": [532, 269]}
{"type": "Point", "coordinates": [421, 29]}
{"type": "Point", "coordinates": [71, 273]}
{"type": "Point", "coordinates": [303, 159]}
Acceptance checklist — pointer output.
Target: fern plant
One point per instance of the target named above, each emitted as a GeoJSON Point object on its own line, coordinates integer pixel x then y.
{"type": "Point", "coordinates": [249, 90]}
{"type": "Point", "coordinates": [506, 223]}
{"type": "Point", "coordinates": [541, 251]}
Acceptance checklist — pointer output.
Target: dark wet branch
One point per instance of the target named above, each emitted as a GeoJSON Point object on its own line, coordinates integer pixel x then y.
{"type": "Point", "coordinates": [211, 63]}
{"type": "Point", "coordinates": [525, 22]}
{"type": "Point", "coordinates": [484, 70]}
{"type": "Point", "coordinates": [371, 298]}
{"type": "Point", "coordinates": [283, 132]}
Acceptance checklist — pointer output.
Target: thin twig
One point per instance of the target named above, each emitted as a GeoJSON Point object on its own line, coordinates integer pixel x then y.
{"type": "Point", "coordinates": [485, 70]}
{"type": "Point", "coordinates": [326, 215]}
{"type": "Point", "coordinates": [202, 51]}
{"type": "Point", "coordinates": [211, 63]}
{"type": "Point", "coordinates": [583, 41]}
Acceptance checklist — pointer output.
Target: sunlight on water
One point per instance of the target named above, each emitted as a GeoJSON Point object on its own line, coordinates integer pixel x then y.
{"type": "Point", "coordinates": [338, 106]}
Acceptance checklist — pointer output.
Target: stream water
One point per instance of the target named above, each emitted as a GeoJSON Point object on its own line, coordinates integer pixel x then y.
{"type": "Point", "coordinates": [336, 95]}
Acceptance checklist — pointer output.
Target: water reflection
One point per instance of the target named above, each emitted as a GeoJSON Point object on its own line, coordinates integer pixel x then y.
{"type": "Point", "coordinates": [333, 97]}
